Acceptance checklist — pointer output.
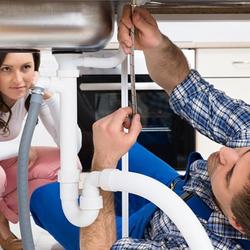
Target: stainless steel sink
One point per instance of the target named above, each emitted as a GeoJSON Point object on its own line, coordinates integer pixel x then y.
{"type": "Point", "coordinates": [62, 25]}
{"type": "Point", "coordinates": [84, 25]}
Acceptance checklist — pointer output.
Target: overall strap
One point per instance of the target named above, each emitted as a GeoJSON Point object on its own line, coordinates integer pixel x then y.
{"type": "Point", "coordinates": [202, 210]}
{"type": "Point", "coordinates": [199, 207]}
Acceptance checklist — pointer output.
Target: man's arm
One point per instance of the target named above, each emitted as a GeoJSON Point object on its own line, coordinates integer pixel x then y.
{"type": "Point", "coordinates": [208, 110]}
{"type": "Point", "coordinates": [110, 144]}
{"type": "Point", "coordinates": [102, 233]}
{"type": "Point", "coordinates": [166, 63]}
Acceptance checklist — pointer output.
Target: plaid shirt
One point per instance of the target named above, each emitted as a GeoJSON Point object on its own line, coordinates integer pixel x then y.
{"type": "Point", "coordinates": [224, 120]}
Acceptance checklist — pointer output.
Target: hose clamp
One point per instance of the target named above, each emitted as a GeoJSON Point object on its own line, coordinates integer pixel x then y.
{"type": "Point", "coordinates": [38, 91]}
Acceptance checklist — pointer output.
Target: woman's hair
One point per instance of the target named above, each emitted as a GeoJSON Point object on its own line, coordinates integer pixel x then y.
{"type": "Point", "coordinates": [241, 209]}
{"type": "Point", "coordinates": [4, 128]}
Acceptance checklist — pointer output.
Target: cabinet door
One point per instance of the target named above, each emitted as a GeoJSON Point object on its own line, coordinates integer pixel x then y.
{"type": "Point", "coordinates": [238, 88]}
{"type": "Point", "coordinates": [223, 62]}
{"type": "Point", "coordinates": [228, 70]}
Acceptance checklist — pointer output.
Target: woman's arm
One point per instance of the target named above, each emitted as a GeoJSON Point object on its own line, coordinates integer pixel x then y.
{"type": "Point", "coordinates": [9, 149]}
{"type": "Point", "coordinates": [50, 116]}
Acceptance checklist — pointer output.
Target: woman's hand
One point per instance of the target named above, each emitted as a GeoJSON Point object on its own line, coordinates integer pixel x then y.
{"type": "Point", "coordinates": [47, 94]}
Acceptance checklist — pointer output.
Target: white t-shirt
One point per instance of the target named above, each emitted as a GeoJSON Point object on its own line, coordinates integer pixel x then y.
{"type": "Point", "coordinates": [50, 117]}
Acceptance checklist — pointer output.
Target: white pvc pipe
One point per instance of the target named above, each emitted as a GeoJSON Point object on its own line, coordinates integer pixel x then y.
{"type": "Point", "coordinates": [69, 173]}
{"type": "Point", "coordinates": [47, 69]}
{"type": "Point", "coordinates": [68, 128]}
{"type": "Point", "coordinates": [90, 202]}
{"type": "Point", "coordinates": [100, 62]}
{"type": "Point", "coordinates": [164, 198]}
{"type": "Point", "coordinates": [71, 207]}
{"type": "Point", "coordinates": [125, 158]}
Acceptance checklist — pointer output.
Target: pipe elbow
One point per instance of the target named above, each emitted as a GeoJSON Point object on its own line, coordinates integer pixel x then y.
{"type": "Point", "coordinates": [90, 201]}
{"type": "Point", "coordinates": [104, 63]}
{"type": "Point", "coordinates": [78, 217]}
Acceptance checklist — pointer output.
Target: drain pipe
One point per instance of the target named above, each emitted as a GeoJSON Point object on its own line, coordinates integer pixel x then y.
{"type": "Point", "coordinates": [162, 196]}
{"type": "Point", "coordinates": [101, 62]}
{"type": "Point", "coordinates": [69, 174]}
{"type": "Point", "coordinates": [90, 202]}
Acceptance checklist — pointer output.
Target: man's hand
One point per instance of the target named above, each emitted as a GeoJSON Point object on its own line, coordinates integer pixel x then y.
{"type": "Point", "coordinates": [111, 142]}
{"type": "Point", "coordinates": [166, 63]}
{"type": "Point", "coordinates": [147, 35]}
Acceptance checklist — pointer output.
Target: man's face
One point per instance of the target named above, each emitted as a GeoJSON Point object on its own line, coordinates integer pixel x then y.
{"type": "Point", "coordinates": [229, 171]}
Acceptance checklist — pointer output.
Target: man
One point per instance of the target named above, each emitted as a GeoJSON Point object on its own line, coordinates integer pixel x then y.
{"type": "Point", "coordinates": [220, 185]}
{"type": "Point", "coordinates": [211, 112]}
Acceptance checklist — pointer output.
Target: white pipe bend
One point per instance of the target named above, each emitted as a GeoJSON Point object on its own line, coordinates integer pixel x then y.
{"type": "Point", "coordinates": [90, 203]}
{"type": "Point", "coordinates": [116, 180]}
{"type": "Point", "coordinates": [164, 198]}
{"type": "Point", "coordinates": [103, 63]}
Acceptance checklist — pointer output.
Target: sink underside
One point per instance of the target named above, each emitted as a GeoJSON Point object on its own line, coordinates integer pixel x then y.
{"type": "Point", "coordinates": [82, 25]}
{"type": "Point", "coordinates": [62, 25]}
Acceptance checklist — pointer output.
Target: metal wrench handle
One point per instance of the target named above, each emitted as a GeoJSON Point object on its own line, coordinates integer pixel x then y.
{"type": "Point", "coordinates": [132, 64]}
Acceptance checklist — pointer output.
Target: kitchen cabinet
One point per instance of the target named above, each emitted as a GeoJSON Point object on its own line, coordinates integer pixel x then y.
{"type": "Point", "coordinates": [229, 71]}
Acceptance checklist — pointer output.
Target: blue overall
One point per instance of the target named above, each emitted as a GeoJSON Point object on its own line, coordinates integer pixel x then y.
{"type": "Point", "coordinates": [47, 212]}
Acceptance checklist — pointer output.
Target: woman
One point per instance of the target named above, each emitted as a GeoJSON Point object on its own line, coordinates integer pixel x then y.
{"type": "Point", "coordinates": [17, 73]}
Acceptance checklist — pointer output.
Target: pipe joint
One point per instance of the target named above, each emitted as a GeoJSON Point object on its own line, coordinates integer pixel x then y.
{"type": "Point", "coordinates": [91, 203]}
{"type": "Point", "coordinates": [105, 179]}
{"type": "Point", "coordinates": [37, 90]}
{"type": "Point", "coordinates": [102, 62]}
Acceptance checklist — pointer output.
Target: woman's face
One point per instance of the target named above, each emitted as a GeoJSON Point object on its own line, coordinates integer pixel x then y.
{"type": "Point", "coordinates": [16, 76]}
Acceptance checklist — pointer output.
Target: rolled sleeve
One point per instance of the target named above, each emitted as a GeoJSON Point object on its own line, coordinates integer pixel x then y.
{"type": "Point", "coordinates": [221, 118]}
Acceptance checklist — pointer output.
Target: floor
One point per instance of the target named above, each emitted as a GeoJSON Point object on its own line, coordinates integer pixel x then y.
{"type": "Point", "coordinates": [42, 240]}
